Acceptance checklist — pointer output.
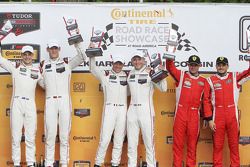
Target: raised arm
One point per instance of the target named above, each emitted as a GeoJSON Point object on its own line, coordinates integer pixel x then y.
{"type": "Point", "coordinates": [6, 64]}
{"type": "Point", "coordinates": [243, 76]}
{"type": "Point", "coordinates": [79, 58]}
{"type": "Point", "coordinates": [99, 74]}
{"type": "Point", "coordinates": [174, 72]}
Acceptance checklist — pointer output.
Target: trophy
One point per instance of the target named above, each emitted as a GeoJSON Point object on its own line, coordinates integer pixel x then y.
{"type": "Point", "coordinates": [171, 44]}
{"type": "Point", "coordinates": [5, 30]}
{"type": "Point", "coordinates": [157, 74]}
{"type": "Point", "coordinates": [73, 31]}
{"type": "Point", "coordinates": [96, 40]}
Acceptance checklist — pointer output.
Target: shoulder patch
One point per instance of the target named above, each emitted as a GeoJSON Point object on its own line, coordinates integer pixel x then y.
{"type": "Point", "coordinates": [41, 64]}
{"type": "Point", "coordinates": [17, 64]}
{"type": "Point", "coordinates": [66, 60]}
{"type": "Point", "coordinates": [106, 72]}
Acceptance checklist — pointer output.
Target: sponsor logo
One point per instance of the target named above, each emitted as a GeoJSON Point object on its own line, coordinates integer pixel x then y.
{"type": "Point", "coordinates": [7, 111]}
{"type": "Point", "coordinates": [118, 13]}
{"type": "Point", "coordinates": [21, 22]}
{"type": "Point", "coordinates": [84, 139]}
{"type": "Point", "coordinates": [244, 23]}
{"type": "Point", "coordinates": [244, 140]}
{"type": "Point", "coordinates": [13, 51]}
{"type": "Point", "coordinates": [79, 87]}
{"type": "Point", "coordinates": [81, 163]}
{"type": "Point", "coordinates": [169, 139]}
{"type": "Point", "coordinates": [168, 113]}
{"type": "Point", "coordinates": [82, 112]}
{"type": "Point", "coordinates": [205, 164]}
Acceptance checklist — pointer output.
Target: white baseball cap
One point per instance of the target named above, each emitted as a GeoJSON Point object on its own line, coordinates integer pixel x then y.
{"type": "Point", "coordinates": [118, 58]}
{"type": "Point", "coordinates": [53, 43]}
{"type": "Point", "coordinates": [137, 54]}
{"type": "Point", "coordinates": [27, 48]}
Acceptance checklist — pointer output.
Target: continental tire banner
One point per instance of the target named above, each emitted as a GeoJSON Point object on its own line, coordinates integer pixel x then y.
{"type": "Point", "coordinates": [208, 31]}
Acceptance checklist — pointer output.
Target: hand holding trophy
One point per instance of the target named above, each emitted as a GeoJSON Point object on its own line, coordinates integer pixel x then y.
{"type": "Point", "coordinates": [158, 73]}
{"type": "Point", "coordinates": [73, 31]}
{"type": "Point", "coordinates": [171, 44]}
{"type": "Point", "coordinates": [95, 44]}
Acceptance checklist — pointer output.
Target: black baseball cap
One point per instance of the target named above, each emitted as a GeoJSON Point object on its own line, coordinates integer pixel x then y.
{"type": "Point", "coordinates": [194, 59]}
{"type": "Point", "coordinates": [222, 60]}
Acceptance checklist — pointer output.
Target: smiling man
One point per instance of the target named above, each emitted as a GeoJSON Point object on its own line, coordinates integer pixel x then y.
{"type": "Point", "coordinates": [114, 84]}
{"type": "Point", "coordinates": [23, 108]}
{"type": "Point", "coordinates": [57, 75]}
{"type": "Point", "coordinates": [220, 109]}
{"type": "Point", "coordinates": [189, 91]}
{"type": "Point", "coordinates": [141, 113]}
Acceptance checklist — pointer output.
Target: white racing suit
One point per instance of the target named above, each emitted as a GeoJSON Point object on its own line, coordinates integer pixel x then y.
{"type": "Point", "coordinates": [141, 114]}
{"type": "Point", "coordinates": [114, 112]}
{"type": "Point", "coordinates": [23, 108]}
{"type": "Point", "coordinates": [57, 76]}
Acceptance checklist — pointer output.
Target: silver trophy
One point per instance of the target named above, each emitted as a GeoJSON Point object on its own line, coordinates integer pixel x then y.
{"type": "Point", "coordinates": [171, 44]}
{"type": "Point", "coordinates": [157, 74]}
{"type": "Point", "coordinates": [96, 40]}
{"type": "Point", "coordinates": [73, 31]}
{"type": "Point", "coordinates": [5, 30]}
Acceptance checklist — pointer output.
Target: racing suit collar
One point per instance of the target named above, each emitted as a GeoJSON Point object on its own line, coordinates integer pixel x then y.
{"type": "Point", "coordinates": [54, 61]}
{"type": "Point", "coordinates": [222, 77]}
{"type": "Point", "coordinates": [24, 65]}
{"type": "Point", "coordinates": [192, 76]}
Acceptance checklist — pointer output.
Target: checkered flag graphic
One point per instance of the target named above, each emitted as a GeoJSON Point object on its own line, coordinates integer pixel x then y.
{"type": "Point", "coordinates": [183, 43]}
{"type": "Point", "coordinates": [107, 38]}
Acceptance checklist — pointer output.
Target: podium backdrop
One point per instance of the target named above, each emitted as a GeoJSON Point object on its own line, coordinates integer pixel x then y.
{"type": "Point", "coordinates": [206, 30]}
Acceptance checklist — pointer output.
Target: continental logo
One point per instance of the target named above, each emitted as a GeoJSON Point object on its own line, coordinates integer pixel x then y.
{"type": "Point", "coordinates": [205, 164]}
{"type": "Point", "coordinates": [84, 139]}
{"type": "Point", "coordinates": [168, 113]}
{"type": "Point", "coordinates": [118, 13]}
{"type": "Point", "coordinates": [82, 112]}
{"type": "Point", "coordinates": [13, 51]}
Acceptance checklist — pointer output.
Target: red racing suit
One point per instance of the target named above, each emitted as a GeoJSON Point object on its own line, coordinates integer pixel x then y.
{"type": "Point", "coordinates": [220, 105]}
{"type": "Point", "coordinates": [189, 92]}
